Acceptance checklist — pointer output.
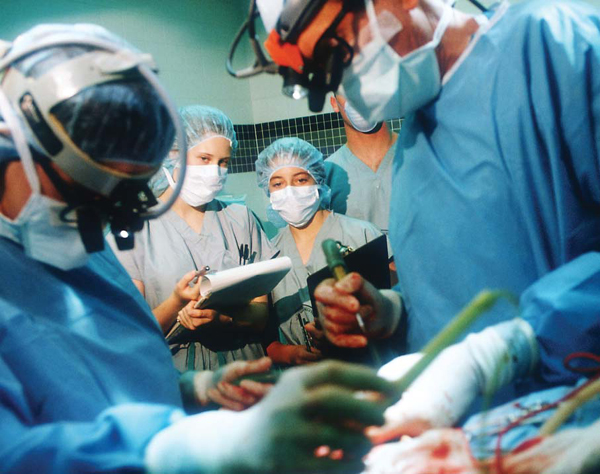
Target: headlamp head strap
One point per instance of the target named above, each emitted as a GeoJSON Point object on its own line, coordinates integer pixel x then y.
{"type": "Point", "coordinates": [34, 98]}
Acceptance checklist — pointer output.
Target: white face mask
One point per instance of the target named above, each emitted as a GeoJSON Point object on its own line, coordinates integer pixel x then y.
{"type": "Point", "coordinates": [383, 85]}
{"type": "Point", "coordinates": [44, 237]}
{"type": "Point", "coordinates": [357, 121]}
{"type": "Point", "coordinates": [296, 204]}
{"type": "Point", "coordinates": [202, 183]}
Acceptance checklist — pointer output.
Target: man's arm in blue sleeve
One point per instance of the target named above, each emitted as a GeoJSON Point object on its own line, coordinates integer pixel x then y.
{"type": "Point", "coordinates": [563, 308]}
{"type": "Point", "coordinates": [113, 442]}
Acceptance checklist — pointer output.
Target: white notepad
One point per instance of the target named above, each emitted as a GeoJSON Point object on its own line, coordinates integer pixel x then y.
{"type": "Point", "coordinates": [237, 286]}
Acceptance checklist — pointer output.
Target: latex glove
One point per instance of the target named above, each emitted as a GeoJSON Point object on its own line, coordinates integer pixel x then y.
{"type": "Point", "coordinates": [444, 451]}
{"type": "Point", "coordinates": [309, 407]}
{"type": "Point", "coordinates": [480, 364]}
{"type": "Point", "coordinates": [192, 318]}
{"type": "Point", "coordinates": [338, 302]}
{"type": "Point", "coordinates": [218, 387]}
{"type": "Point", "coordinates": [572, 451]}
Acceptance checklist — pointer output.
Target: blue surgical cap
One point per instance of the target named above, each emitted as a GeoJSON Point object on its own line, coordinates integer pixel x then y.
{"type": "Point", "coordinates": [200, 122]}
{"type": "Point", "coordinates": [287, 152]}
{"type": "Point", "coordinates": [296, 153]}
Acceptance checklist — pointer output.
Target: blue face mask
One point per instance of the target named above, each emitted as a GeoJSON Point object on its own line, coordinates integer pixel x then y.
{"type": "Point", "coordinates": [44, 237]}
{"type": "Point", "coordinates": [383, 85]}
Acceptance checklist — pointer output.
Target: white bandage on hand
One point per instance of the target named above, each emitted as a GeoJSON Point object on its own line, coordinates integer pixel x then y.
{"type": "Point", "coordinates": [199, 443]}
{"type": "Point", "coordinates": [203, 382]}
{"type": "Point", "coordinates": [480, 364]}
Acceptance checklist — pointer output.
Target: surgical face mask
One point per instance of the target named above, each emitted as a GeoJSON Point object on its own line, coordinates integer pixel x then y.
{"type": "Point", "coordinates": [202, 183]}
{"type": "Point", "coordinates": [382, 84]}
{"type": "Point", "coordinates": [296, 204]}
{"type": "Point", "coordinates": [44, 236]}
{"type": "Point", "coordinates": [357, 121]}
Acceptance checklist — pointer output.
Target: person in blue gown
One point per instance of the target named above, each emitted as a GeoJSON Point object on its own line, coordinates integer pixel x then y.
{"type": "Point", "coordinates": [496, 178]}
{"type": "Point", "coordinates": [87, 383]}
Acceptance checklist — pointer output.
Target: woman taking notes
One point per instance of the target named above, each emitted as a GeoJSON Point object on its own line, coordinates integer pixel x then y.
{"type": "Point", "coordinates": [200, 231]}
{"type": "Point", "coordinates": [292, 173]}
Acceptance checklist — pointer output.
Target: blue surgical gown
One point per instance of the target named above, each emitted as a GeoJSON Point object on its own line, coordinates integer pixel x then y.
{"type": "Point", "coordinates": [86, 378]}
{"type": "Point", "coordinates": [497, 182]}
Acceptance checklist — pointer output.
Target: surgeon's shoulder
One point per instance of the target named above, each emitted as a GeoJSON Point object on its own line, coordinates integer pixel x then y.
{"type": "Point", "coordinates": [234, 209]}
{"type": "Point", "coordinates": [219, 205]}
{"type": "Point", "coordinates": [338, 155]}
{"type": "Point", "coordinates": [562, 19]}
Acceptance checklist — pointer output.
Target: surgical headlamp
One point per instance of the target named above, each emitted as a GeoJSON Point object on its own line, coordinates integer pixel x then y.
{"type": "Point", "coordinates": [312, 79]}
{"type": "Point", "coordinates": [301, 79]}
{"type": "Point", "coordinates": [121, 199]}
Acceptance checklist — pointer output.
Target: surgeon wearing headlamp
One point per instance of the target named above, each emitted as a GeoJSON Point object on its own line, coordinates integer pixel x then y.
{"type": "Point", "coordinates": [87, 383]}
{"type": "Point", "coordinates": [496, 180]}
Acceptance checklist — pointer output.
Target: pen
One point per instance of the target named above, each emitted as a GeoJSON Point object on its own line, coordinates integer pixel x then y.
{"type": "Point", "coordinates": [199, 273]}
{"type": "Point", "coordinates": [305, 332]}
{"type": "Point", "coordinates": [338, 268]}
{"type": "Point", "coordinates": [204, 270]}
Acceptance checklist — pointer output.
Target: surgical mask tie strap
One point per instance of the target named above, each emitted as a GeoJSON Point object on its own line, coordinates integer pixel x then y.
{"type": "Point", "coordinates": [20, 142]}
{"type": "Point", "coordinates": [372, 15]}
{"type": "Point", "coordinates": [443, 24]}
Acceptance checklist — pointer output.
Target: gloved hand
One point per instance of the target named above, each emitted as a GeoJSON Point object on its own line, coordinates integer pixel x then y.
{"type": "Point", "coordinates": [480, 364]}
{"type": "Point", "coordinates": [338, 303]}
{"type": "Point", "coordinates": [442, 451]}
{"type": "Point", "coordinates": [218, 387]}
{"type": "Point", "coordinates": [309, 407]}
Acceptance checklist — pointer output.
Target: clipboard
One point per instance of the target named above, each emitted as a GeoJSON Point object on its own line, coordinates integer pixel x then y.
{"type": "Point", "coordinates": [233, 287]}
{"type": "Point", "coordinates": [239, 285]}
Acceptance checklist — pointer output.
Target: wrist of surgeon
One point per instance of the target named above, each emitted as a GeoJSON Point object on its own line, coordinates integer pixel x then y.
{"type": "Point", "coordinates": [227, 387]}
{"type": "Point", "coordinates": [391, 313]}
{"type": "Point", "coordinates": [352, 311]}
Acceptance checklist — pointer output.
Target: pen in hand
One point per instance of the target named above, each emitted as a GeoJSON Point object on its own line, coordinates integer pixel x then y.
{"type": "Point", "coordinates": [337, 266]}
{"type": "Point", "coordinates": [199, 274]}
